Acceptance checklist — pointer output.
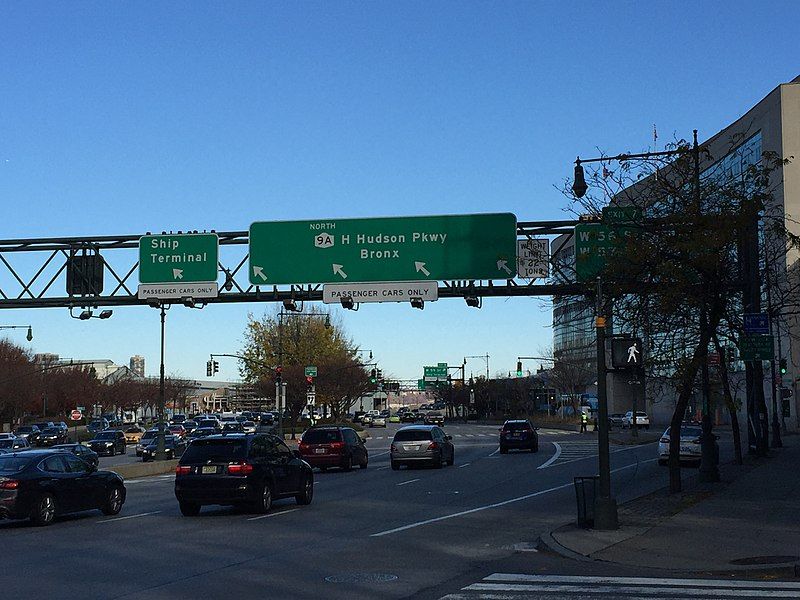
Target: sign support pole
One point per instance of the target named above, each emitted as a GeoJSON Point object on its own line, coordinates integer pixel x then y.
{"type": "Point", "coordinates": [161, 397]}
{"type": "Point", "coordinates": [605, 506]}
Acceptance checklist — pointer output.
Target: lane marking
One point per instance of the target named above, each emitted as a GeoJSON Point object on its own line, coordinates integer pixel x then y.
{"type": "Point", "coordinates": [494, 505]}
{"type": "Point", "coordinates": [493, 453]}
{"type": "Point", "coordinates": [643, 591]}
{"type": "Point", "coordinates": [733, 583]}
{"type": "Point", "coordinates": [409, 481]}
{"type": "Point", "coordinates": [381, 453]}
{"type": "Point", "coordinates": [553, 458]}
{"type": "Point", "coordinates": [382, 468]}
{"type": "Point", "coordinates": [274, 514]}
{"type": "Point", "coordinates": [464, 465]}
{"type": "Point", "coordinates": [155, 512]}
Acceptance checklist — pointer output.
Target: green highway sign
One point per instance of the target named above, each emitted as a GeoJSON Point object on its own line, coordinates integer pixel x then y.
{"type": "Point", "coordinates": [421, 384]}
{"type": "Point", "coordinates": [482, 246]}
{"type": "Point", "coordinates": [438, 372]}
{"type": "Point", "coordinates": [622, 214]}
{"type": "Point", "coordinates": [594, 242]}
{"type": "Point", "coordinates": [311, 371]}
{"type": "Point", "coordinates": [178, 258]}
{"type": "Point", "coordinates": [756, 347]}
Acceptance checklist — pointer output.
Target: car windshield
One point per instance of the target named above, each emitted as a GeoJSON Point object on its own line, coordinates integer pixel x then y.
{"type": "Point", "coordinates": [207, 423]}
{"type": "Point", "coordinates": [106, 435]}
{"type": "Point", "coordinates": [215, 450]}
{"type": "Point", "coordinates": [6, 443]}
{"type": "Point", "coordinates": [412, 435]}
{"type": "Point", "coordinates": [641, 414]}
{"type": "Point", "coordinates": [13, 464]}
{"type": "Point", "coordinates": [52, 430]}
{"type": "Point", "coordinates": [133, 430]}
{"type": "Point", "coordinates": [322, 436]}
{"type": "Point", "coordinates": [26, 429]}
{"type": "Point", "coordinates": [687, 432]}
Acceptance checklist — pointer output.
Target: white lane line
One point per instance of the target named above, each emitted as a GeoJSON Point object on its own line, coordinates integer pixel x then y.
{"type": "Point", "coordinates": [493, 453]}
{"type": "Point", "coordinates": [494, 505]}
{"type": "Point", "coordinates": [409, 481]}
{"type": "Point", "coordinates": [382, 468]}
{"type": "Point", "coordinates": [464, 465]}
{"type": "Point", "coordinates": [643, 591]}
{"type": "Point", "coordinates": [130, 517]}
{"type": "Point", "coordinates": [274, 514]}
{"type": "Point", "coordinates": [652, 581]}
{"type": "Point", "coordinates": [552, 458]}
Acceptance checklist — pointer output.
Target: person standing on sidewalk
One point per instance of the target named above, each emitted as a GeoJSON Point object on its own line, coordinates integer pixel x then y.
{"type": "Point", "coordinates": [584, 421]}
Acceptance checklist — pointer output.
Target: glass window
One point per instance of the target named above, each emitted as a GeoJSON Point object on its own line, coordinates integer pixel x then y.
{"type": "Point", "coordinates": [205, 449]}
{"type": "Point", "coordinates": [322, 436]}
{"type": "Point", "coordinates": [281, 448]}
{"type": "Point", "coordinates": [412, 435]}
{"type": "Point", "coordinates": [13, 464]}
{"type": "Point", "coordinates": [259, 447]}
{"type": "Point", "coordinates": [53, 464]}
{"type": "Point", "coordinates": [75, 464]}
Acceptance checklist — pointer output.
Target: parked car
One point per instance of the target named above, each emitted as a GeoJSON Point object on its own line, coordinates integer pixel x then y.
{"type": "Point", "coordinates": [83, 452]}
{"type": "Point", "coordinates": [51, 436]}
{"type": "Point", "coordinates": [174, 447]}
{"type": "Point", "coordinates": [111, 442]}
{"type": "Point", "coordinates": [434, 418]}
{"type": "Point", "coordinates": [333, 446]}
{"type": "Point", "coordinates": [97, 425]}
{"type": "Point", "coordinates": [520, 434]}
{"type": "Point", "coordinates": [134, 434]}
{"type": "Point", "coordinates": [642, 420]}
{"type": "Point", "coordinates": [26, 431]}
{"type": "Point", "coordinates": [247, 470]}
{"type": "Point", "coordinates": [419, 444]}
{"type": "Point", "coordinates": [690, 448]}
{"type": "Point", "coordinates": [42, 484]}
{"type": "Point", "coordinates": [12, 444]}
{"type": "Point", "coordinates": [616, 420]}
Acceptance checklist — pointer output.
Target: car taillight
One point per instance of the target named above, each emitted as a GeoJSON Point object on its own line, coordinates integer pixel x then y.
{"type": "Point", "coordinates": [664, 440]}
{"type": "Point", "coordinates": [240, 469]}
{"type": "Point", "coordinates": [337, 445]}
{"type": "Point", "coordinates": [302, 446]}
{"type": "Point", "coordinates": [433, 446]}
{"type": "Point", "coordinates": [182, 470]}
{"type": "Point", "coordinates": [9, 484]}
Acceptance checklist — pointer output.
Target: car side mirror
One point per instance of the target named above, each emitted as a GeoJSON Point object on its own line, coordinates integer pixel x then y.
{"type": "Point", "coordinates": [448, 437]}
{"type": "Point", "coordinates": [296, 454]}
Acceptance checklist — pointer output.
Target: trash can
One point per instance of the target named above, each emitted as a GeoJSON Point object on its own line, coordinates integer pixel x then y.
{"type": "Point", "coordinates": [585, 493]}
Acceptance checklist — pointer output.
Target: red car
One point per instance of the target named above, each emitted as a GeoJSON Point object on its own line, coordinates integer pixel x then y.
{"type": "Point", "coordinates": [325, 447]}
{"type": "Point", "coordinates": [178, 430]}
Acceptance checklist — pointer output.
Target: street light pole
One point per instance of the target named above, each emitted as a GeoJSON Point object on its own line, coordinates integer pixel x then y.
{"type": "Point", "coordinates": [160, 443]}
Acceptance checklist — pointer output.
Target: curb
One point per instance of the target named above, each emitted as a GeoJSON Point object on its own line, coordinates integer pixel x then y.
{"type": "Point", "coordinates": [548, 543]}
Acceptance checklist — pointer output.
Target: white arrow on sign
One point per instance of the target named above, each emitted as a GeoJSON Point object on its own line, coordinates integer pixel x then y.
{"type": "Point", "coordinates": [337, 270]}
{"type": "Point", "coordinates": [420, 266]}
{"type": "Point", "coordinates": [177, 273]}
{"type": "Point", "coordinates": [259, 272]}
{"type": "Point", "coordinates": [503, 265]}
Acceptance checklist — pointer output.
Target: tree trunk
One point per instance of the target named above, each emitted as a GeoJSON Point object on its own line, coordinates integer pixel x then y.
{"type": "Point", "coordinates": [731, 405]}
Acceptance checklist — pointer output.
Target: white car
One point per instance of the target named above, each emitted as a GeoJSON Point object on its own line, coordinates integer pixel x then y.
{"type": "Point", "coordinates": [642, 420]}
{"type": "Point", "coordinates": [378, 421]}
{"type": "Point", "coordinates": [690, 445]}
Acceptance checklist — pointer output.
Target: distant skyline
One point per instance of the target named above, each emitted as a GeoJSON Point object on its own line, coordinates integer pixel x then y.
{"type": "Point", "coordinates": [123, 118]}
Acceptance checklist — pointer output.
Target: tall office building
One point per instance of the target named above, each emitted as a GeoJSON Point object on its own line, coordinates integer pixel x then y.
{"type": "Point", "coordinates": [137, 365]}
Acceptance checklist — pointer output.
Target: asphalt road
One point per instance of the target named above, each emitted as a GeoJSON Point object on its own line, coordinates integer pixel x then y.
{"type": "Point", "coordinates": [374, 533]}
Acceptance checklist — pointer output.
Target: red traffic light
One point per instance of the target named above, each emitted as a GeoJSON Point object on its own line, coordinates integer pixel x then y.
{"type": "Point", "coordinates": [309, 379]}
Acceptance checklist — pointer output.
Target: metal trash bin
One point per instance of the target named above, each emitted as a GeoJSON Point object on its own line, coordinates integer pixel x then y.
{"type": "Point", "coordinates": [585, 493]}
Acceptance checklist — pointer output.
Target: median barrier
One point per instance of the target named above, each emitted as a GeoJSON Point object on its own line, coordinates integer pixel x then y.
{"type": "Point", "coordinates": [144, 469]}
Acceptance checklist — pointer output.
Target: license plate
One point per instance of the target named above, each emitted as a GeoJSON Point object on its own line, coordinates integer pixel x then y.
{"type": "Point", "coordinates": [409, 448]}
{"type": "Point", "coordinates": [319, 450]}
{"type": "Point", "coordinates": [687, 450]}
{"type": "Point", "coordinates": [209, 470]}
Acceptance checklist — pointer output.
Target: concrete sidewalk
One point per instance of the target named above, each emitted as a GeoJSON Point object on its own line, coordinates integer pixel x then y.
{"type": "Point", "coordinates": [749, 522]}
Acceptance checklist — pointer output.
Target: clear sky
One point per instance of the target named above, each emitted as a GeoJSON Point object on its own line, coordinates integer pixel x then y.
{"type": "Point", "coordinates": [127, 117]}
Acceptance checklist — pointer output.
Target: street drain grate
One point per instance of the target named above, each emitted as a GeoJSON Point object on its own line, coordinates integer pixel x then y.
{"type": "Point", "coordinates": [361, 578]}
{"type": "Point", "coordinates": [764, 560]}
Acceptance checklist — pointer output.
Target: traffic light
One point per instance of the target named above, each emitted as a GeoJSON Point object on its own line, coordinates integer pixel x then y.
{"type": "Point", "coordinates": [379, 376]}
{"type": "Point", "coordinates": [373, 376]}
{"type": "Point", "coordinates": [783, 366]}
{"type": "Point", "coordinates": [208, 369]}
{"type": "Point", "coordinates": [216, 367]}
{"type": "Point", "coordinates": [278, 373]}
{"type": "Point", "coordinates": [519, 368]}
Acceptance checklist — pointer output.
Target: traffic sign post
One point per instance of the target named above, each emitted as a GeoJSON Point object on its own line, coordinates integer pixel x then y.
{"type": "Point", "coordinates": [626, 353]}
{"type": "Point", "coordinates": [756, 323]}
{"type": "Point", "coordinates": [311, 371]}
{"type": "Point", "coordinates": [398, 291]}
{"type": "Point", "coordinates": [386, 249]}
{"type": "Point", "coordinates": [594, 243]}
{"type": "Point", "coordinates": [533, 258]}
{"type": "Point", "coordinates": [178, 258]}
{"type": "Point", "coordinates": [437, 373]}
{"type": "Point", "coordinates": [75, 415]}
{"type": "Point", "coordinates": [756, 347]}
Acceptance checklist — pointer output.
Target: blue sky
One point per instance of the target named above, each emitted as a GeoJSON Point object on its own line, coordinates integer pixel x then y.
{"type": "Point", "coordinates": [127, 117]}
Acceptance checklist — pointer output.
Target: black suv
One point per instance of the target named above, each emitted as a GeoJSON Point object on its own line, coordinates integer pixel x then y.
{"type": "Point", "coordinates": [52, 436]}
{"type": "Point", "coordinates": [109, 442]}
{"type": "Point", "coordinates": [519, 434]}
{"type": "Point", "coordinates": [240, 469]}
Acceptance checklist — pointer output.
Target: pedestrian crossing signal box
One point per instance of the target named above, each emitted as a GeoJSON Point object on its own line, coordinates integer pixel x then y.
{"type": "Point", "coordinates": [626, 353]}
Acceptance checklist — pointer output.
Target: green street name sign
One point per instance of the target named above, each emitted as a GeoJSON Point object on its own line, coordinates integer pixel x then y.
{"type": "Point", "coordinates": [386, 249]}
{"type": "Point", "coordinates": [311, 371]}
{"type": "Point", "coordinates": [622, 214]}
{"type": "Point", "coordinates": [594, 243]}
{"type": "Point", "coordinates": [756, 347]}
{"type": "Point", "coordinates": [179, 258]}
